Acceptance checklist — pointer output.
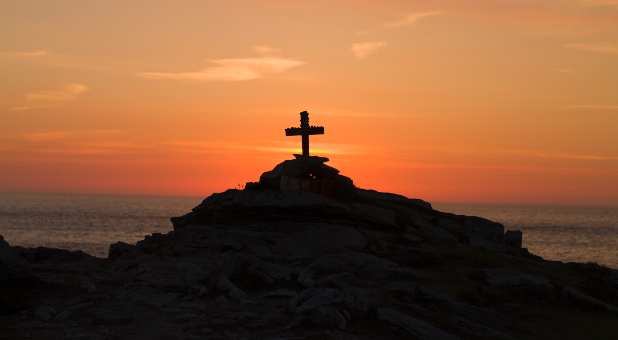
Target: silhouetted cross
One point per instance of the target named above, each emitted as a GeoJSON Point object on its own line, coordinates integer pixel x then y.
{"type": "Point", "coordinates": [305, 130]}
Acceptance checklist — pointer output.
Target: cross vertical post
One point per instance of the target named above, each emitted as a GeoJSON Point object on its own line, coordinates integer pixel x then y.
{"type": "Point", "coordinates": [304, 124]}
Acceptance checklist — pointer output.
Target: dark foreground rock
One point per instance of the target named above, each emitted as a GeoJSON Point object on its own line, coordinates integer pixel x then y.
{"type": "Point", "coordinates": [304, 254]}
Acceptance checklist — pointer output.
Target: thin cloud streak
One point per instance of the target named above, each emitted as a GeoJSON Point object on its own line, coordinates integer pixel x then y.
{"type": "Point", "coordinates": [580, 157]}
{"type": "Point", "coordinates": [462, 166]}
{"type": "Point", "coordinates": [317, 148]}
{"type": "Point", "coordinates": [66, 93]}
{"type": "Point", "coordinates": [593, 107]}
{"type": "Point", "coordinates": [44, 136]}
{"type": "Point", "coordinates": [56, 135]}
{"type": "Point", "coordinates": [99, 149]}
{"type": "Point", "coordinates": [25, 54]}
{"type": "Point", "coordinates": [23, 108]}
{"type": "Point", "coordinates": [41, 99]}
{"type": "Point", "coordinates": [411, 19]}
{"type": "Point", "coordinates": [606, 48]}
{"type": "Point", "coordinates": [527, 153]}
{"type": "Point", "coordinates": [288, 148]}
{"type": "Point", "coordinates": [265, 49]}
{"type": "Point", "coordinates": [232, 69]}
{"type": "Point", "coordinates": [362, 50]}
{"type": "Point", "coordinates": [562, 155]}
{"type": "Point", "coordinates": [407, 20]}
{"type": "Point", "coordinates": [600, 3]}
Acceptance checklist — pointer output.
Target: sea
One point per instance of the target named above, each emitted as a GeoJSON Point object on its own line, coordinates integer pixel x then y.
{"type": "Point", "coordinates": [92, 222]}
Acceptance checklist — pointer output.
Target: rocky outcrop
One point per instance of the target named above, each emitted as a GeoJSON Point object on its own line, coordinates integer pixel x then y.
{"type": "Point", "coordinates": [321, 194]}
{"type": "Point", "coordinates": [514, 238]}
{"type": "Point", "coordinates": [12, 266]}
{"type": "Point", "coordinates": [16, 279]}
{"type": "Point", "coordinates": [304, 254]}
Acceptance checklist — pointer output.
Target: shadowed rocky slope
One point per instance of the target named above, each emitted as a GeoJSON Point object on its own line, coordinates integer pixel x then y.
{"type": "Point", "coordinates": [304, 254]}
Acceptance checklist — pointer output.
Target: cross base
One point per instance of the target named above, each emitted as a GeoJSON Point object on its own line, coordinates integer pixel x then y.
{"type": "Point", "coordinates": [312, 158]}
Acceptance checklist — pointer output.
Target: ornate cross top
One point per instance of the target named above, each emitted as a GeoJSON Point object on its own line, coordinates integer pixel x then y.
{"type": "Point", "coordinates": [305, 130]}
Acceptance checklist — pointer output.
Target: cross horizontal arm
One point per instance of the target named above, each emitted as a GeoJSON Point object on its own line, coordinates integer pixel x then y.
{"type": "Point", "coordinates": [312, 130]}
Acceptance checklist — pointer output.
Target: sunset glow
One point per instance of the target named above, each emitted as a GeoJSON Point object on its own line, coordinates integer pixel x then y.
{"type": "Point", "coordinates": [490, 101]}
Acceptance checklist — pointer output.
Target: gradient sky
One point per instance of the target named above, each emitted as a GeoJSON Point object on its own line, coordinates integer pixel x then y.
{"type": "Point", "coordinates": [477, 101]}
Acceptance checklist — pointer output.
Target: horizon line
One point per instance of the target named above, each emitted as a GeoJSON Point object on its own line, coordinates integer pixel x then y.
{"type": "Point", "coordinates": [433, 203]}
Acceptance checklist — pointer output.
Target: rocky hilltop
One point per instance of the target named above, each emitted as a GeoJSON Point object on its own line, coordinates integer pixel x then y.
{"type": "Point", "coordinates": [305, 254]}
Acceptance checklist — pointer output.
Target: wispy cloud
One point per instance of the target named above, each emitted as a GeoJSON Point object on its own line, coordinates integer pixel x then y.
{"type": "Point", "coordinates": [41, 99]}
{"type": "Point", "coordinates": [600, 3]}
{"type": "Point", "coordinates": [107, 149]}
{"type": "Point", "coordinates": [411, 19]}
{"type": "Point", "coordinates": [25, 54]}
{"type": "Point", "coordinates": [362, 50]}
{"type": "Point", "coordinates": [603, 47]}
{"type": "Point", "coordinates": [593, 107]}
{"type": "Point", "coordinates": [85, 142]}
{"type": "Point", "coordinates": [66, 93]}
{"type": "Point", "coordinates": [265, 49]}
{"type": "Point", "coordinates": [473, 151]}
{"type": "Point", "coordinates": [317, 148]}
{"type": "Point", "coordinates": [564, 155]}
{"type": "Point", "coordinates": [56, 135]}
{"type": "Point", "coordinates": [266, 147]}
{"type": "Point", "coordinates": [22, 108]}
{"type": "Point", "coordinates": [44, 136]}
{"type": "Point", "coordinates": [234, 69]}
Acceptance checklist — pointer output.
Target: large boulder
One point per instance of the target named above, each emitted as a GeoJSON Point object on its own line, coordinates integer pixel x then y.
{"type": "Point", "coordinates": [514, 238]}
{"type": "Point", "coordinates": [476, 231]}
{"type": "Point", "coordinates": [308, 174]}
{"type": "Point", "coordinates": [391, 199]}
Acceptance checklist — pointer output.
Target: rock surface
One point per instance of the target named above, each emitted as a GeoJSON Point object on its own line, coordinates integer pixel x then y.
{"type": "Point", "coordinates": [304, 254]}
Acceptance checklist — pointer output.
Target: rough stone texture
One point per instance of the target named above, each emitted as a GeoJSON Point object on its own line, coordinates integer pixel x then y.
{"type": "Point", "coordinates": [587, 301]}
{"type": "Point", "coordinates": [268, 262]}
{"type": "Point", "coordinates": [119, 249]}
{"type": "Point", "coordinates": [514, 238]}
{"type": "Point", "coordinates": [417, 328]}
{"type": "Point", "coordinates": [512, 281]}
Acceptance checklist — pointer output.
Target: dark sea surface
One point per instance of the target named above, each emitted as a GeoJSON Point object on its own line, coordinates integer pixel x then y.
{"type": "Point", "coordinates": [91, 222]}
{"type": "Point", "coordinates": [86, 222]}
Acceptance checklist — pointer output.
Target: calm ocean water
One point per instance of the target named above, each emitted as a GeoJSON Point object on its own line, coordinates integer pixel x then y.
{"type": "Point", "coordinates": [86, 222]}
{"type": "Point", "coordinates": [91, 223]}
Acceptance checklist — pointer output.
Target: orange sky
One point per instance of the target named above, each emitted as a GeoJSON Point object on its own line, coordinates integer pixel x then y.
{"type": "Point", "coordinates": [492, 101]}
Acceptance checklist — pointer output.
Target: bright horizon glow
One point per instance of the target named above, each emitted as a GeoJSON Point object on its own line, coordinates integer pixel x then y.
{"type": "Point", "coordinates": [448, 101]}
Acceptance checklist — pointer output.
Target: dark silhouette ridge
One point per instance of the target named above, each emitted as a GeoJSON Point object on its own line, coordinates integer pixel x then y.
{"type": "Point", "coordinates": [303, 253]}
